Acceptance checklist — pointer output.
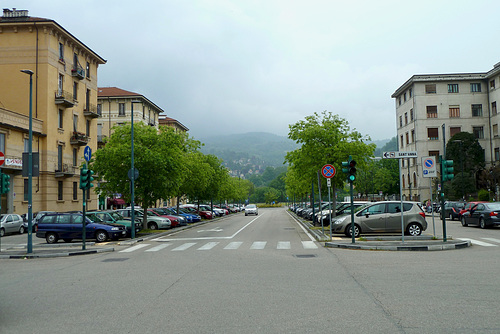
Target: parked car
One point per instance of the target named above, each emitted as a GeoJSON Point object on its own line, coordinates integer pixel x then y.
{"type": "Point", "coordinates": [153, 222]}
{"type": "Point", "coordinates": [36, 218]}
{"type": "Point", "coordinates": [251, 209]}
{"type": "Point", "coordinates": [469, 206]}
{"type": "Point", "coordinates": [11, 223]}
{"type": "Point", "coordinates": [342, 208]}
{"type": "Point", "coordinates": [110, 216]}
{"type": "Point", "coordinates": [68, 226]}
{"type": "Point", "coordinates": [382, 217]}
{"type": "Point", "coordinates": [452, 209]}
{"type": "Point", "coordinates": [174, 220]}
{"type": "Point", "coordinates": [191, 217]}
{"type": "Point", "coordinates": [191, 208]}
{"type": "Point", "coordinates": [483, 215]}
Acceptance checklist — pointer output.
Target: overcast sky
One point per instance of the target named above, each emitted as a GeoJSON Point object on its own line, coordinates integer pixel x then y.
{"type": "Point", "coordinates": [225, 67]}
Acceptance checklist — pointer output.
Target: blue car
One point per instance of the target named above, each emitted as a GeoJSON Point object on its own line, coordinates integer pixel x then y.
{"type": "Point", "coordinates": [194, 217]}
{"type": "Point", "coordinates": [68, 226]}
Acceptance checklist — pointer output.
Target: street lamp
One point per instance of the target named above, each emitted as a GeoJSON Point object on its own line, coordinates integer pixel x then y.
{"type": "Point", "coordinates": [132, 174]}
{"type": "Point", "coordinates": [30, 166]}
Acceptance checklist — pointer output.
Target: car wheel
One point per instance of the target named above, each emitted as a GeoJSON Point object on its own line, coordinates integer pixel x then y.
{"type": "Point", "coordinates": [357, 231]}
{"type": "Point", "coordinates": [51, 238]}
{"type": "Point", "coordinates": [482, 224]}
{"type": "Point", "coordinates": [464, 223]}
{"type": "Point", "coordinates": [153, 226]}
{"type": "Point", "coordinates": [451, 217]}
{"type": "Point", "coordinates": [101, 236]}
{"type": "Point", "coordinates": [2, 232]}
{"type": "Point", "coordinates": [68, 240]}
{"type": "Point", "coordinates": [246, 214]}
{"type": "Point", "coordinates": [414, 229]}
{"type": "Point", "coordinates": [22, 229]}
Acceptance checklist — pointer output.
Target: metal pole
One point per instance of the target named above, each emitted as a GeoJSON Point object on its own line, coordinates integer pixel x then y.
{"type": "Point", "coordinates": [442, 185]}
{"type": "Point", "coordinates": [132, 172]}
{"type": "Point", "coordinates": [84, 209]}
{"type": "Point", "coordinates": [401, 198]}
{"type": "Point", "coordinates": [432, 209]}
{"type": "Point", "coordinates": [352, 212]}
{"type": "Point", "coordinates": [320, 204]}
{"type": "Point", "coordinates": [329, 208]}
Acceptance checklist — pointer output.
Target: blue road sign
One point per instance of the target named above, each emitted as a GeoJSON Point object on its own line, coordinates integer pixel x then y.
{"type": "Point", "coordinates": [87, 153]}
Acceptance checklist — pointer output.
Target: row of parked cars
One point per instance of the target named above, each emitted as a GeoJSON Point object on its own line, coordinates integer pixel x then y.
{"type": "Point", "coordinates": [378, 217]}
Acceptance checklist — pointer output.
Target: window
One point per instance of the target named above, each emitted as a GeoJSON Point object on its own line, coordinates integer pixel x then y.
{"type": "Point", "coordinates": [411, 115]}
{"type": "Point", "coordinates": [433, 133]}
{"type": "Point", "coordinates": [121, 109]}
{"type": "Point", "coordinates": [413, 136]}
{"type": "Point", "coordinates": [404, 97]}
{"type": "Point", "coordinates": [59, 157]}
{"type": "Point", "coordinates": [87, 128]}
{"type": "Point", "coordinates": [75, 60]}
{"type": "Point", "coordinates": [75, 123]}
{"type": "Point", "coordinates": [454, 130]}
{"type": "Point", "coordinates": [478, 132]}
{"type": "Point", "coordinates": [75, 191]}
{"type": "Point", "coordinates": [61, 52]}
{"type": "Point", "coordinates": [87, 100]}
{"type": "Point", "coordinates": [143, 112]}
{"type": "Point", "coordinates": [75, 157]}
{"type": "Point", "coordinates": [375, 209]}
{"type": "Point", "coordinates": [495, 130]}
{"type": "Point", "coordinates": [400, 121]}
{"type": "Point", "coordinates": [407, 138]}
{"type": "Point", "coordinates": [414, 180]}
{"type": "Point", "coordinates": [60, 85]}
{"type": "Point", "coordinates": [402, 143]}
{"type": "Point", "coordinates": [477, 110]}
{"type": "Point", "coordinates": [492, 84]}
{"type": "Point", "coordinates": [75, 90]}
{"type": "Point", "coordinates": [497, 154]}
{"type": "Point", "coordinates": [2, 142]}
{"type": "Point", "coordinates": [452, 88]}
{"type": "Point", "coordinates": [99, 109]}
{"type": "Point", "coordinates": [430, 89]}
{"type": "Point", "coordinates": [475, 87]}
{"type": "Point", "coordinates": [399, 100]}
{"type": "Point", "coordinates": [454, 111]}
{"type": "Point", "coordinates": [432, 111]}
{"type": "Point", "coordinates": [494, 107]}
{"type": "Point", "coordinates": [434, 153]}
{"type": "Point", "coordinates": [60, 118]}
{"type": "Point", "coordinates": [406, 118]}
{"type": "Point", "coordinates": [59, 190]}
{"type": "Point", "coordinates": [410, 92]}
{"type": "Point", "coordinates": [87, 71]}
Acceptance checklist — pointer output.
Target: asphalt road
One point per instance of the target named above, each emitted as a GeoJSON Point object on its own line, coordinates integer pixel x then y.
{"type": "Point", "coordinates": [255, 274]}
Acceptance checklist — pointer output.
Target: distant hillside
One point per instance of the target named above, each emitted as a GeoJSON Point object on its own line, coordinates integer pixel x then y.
{"type": "Point", "coordinates": [249, 152]}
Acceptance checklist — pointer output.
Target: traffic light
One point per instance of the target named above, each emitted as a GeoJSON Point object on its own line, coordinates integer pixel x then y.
{"type": "Point", "coordinates": [86, 178]}
{"type": "Point", "coordinates": [5, 183]}
{"type": "Point", "coordinates": [349, 167]}
{"type": "Point", "coordinates": [447, 170]}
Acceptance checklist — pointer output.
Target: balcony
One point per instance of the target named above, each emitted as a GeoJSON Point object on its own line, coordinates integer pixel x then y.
{"type": "Point", "coordinates": [91, 111]}
{"type": "Point", "coordinates": [64, 99]}
{"type": "Point", "coordinates": [78, 72]}
{"type": "Point", "coordinates": [79, 139]}
{"type": "Point", "coordinates": [66, 171]}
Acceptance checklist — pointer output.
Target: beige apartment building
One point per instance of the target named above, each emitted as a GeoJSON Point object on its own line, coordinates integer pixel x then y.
{"type": "Point", "coordinates": [427, 104]}
{"type": "Point", "coordinates": [64, 110]}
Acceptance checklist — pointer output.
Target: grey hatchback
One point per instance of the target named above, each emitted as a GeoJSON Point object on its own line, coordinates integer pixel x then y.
{"type": "Point", "coordinates": [382, 217]}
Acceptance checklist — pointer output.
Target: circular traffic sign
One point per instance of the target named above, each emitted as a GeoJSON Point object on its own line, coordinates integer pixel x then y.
{"type": "Point", "coordinates": [2, 158]}
{"type": "Point", "coordinates": [328, 171]}
{"type": "Point", "coordinates": [429, 163]}
{"type": "Point", "coordinates": [87, 153]}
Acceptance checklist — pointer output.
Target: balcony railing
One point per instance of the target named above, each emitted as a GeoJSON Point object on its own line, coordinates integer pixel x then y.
{"type": "Point", "coordinates": [79, 139]}
{"type": "Point", "coordinates": [64, 98]}
{"type": "Point", "coordinates": [91, 111]}
{"type": "Point", "coordinates": [66, 171]}
{"type": "Point", "coordinates": [78, 72]}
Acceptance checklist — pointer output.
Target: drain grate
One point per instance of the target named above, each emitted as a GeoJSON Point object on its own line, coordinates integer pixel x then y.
{"type": "Point", "coordinates": [116, 260]}
{"type": "Point", "coordinates": [305, 256]}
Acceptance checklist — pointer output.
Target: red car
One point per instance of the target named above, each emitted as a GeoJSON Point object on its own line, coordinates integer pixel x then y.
{"type": "Point", "coordinates": [192, 209]}
{"type": "Point", "coordinates": [173, 220]}
{"type": "Point", "coordinates": [468, 206]}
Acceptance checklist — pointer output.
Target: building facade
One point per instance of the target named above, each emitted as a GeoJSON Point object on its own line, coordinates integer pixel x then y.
{"type": "Point", "coordinates": [64, 110]}
{"type": "Point", "coordinates": [173, 123]}
{"type": "Point", "coordinates": [430, 109]}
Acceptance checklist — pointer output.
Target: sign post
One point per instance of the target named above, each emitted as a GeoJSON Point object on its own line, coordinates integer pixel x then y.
{"type": "Point", "coordinates": [429, 170]}
{"type": "Point", "coordinates": [328, 171]}
{"type": "Point", "coordinates": [87, 154]}
{"type": "Point", "coordinates": [400, 155]}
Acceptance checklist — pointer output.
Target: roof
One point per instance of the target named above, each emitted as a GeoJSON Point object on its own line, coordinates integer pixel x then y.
{"type": "Point", "coordinates": [168, 120]}
{"type": "Point", "coordinates": [115, 92]}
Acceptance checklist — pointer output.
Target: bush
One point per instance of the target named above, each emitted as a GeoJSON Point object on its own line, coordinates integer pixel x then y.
{"type": "Point", "coordinates": [483, 195]}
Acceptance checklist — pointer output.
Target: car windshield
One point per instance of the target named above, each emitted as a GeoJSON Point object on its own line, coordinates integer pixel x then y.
{"type": "Point", "coordinates": [251, 206]}
{"type": "Point", "coordinates": [116, 216]}
{"type": "Point", "coordinates": [94, 218]}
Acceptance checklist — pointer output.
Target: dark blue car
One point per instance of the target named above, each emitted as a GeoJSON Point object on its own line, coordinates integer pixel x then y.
{"type": "Point", "coordinates": [68, 226]}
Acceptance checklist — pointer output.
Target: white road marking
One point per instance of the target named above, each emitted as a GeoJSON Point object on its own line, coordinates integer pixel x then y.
{"type": "Point", "coordinates": [492, 240]}
{"type": "Point", "coordinates": [302, 227]}
{"type": "Point", "coordinates": [283, 245]}
{"type": "Point", "coordinates": [133, 248]}
{"type": "Point", "coordinates": [233, 245]}
{"type": "Point", "coordinates": [209, 245]}
{"type": "Point", "coordinates": [477, 242]}
{"type": "Point", "coordinates": [157, 248]}
{"type": "Point", "coordinates": [309, 245]}
{"type": "Point", "coordinates": [258, 245]}
{"type": "Point", "coordinates": [184, 246]}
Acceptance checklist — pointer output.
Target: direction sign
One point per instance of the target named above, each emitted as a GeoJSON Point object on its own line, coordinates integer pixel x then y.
{"type": "Point", "coordinates": [399, 155]}
{"type": "Point", "coordinates": [429, 166]}
{"type": "Point", "coordinates": [2, 158]}
{"type": "Point", "coordinates": [328, 171]}
{"type": "Point", "coordinates": [87, 153]}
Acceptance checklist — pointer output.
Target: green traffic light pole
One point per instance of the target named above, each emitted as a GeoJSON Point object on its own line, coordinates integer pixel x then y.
{"type": "Point", "coordinates": [83, 185]}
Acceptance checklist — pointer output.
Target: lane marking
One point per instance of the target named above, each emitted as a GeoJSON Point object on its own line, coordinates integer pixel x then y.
{"type": "Point", "coordinates": [309, 245]}
{"type": "Point", "coordinates": [477, 242]}
{"type": "Point", "coordinates": [184, 246]}
{"type": "Point", "coordinates": [283, 245]}
{"type": "Point", "coordinates": [302, 227]}
{"type": "Point", "coordinates": [209, 245]}
{"type": "Point", "coordinates": [258, 245]}
{"type": "Point", "coordinates": [492, 240]}
{"type": "Point", "coordinates": [233, 245]}
{"type": "Point", "coordinates": [133, 248]}
{"type": "Point", "coordinates": [157, 248]}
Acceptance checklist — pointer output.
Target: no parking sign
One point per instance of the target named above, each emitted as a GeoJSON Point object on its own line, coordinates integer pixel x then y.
{"type": "Point", "coordinates": [429, 166]}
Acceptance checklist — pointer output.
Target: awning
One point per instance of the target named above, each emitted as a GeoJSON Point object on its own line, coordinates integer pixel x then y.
{"type": "Point", "coordinates": [116, 201]}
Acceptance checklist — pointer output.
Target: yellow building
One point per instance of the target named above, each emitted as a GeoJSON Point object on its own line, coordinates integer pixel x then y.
{"type": "Point", "coordinates": [64, 110]}
{"type": "Point", "coordinates": [178, 126]}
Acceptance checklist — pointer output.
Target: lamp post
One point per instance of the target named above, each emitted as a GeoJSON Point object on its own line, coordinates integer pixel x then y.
{"type": "Point", "coordinates": [132, 175]}
{"type": "Point", "coordinates": [30, 166]}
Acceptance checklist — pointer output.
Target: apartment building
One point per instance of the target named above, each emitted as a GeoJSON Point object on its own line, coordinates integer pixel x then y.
{"type": "Point", "coordinates": [428, 104]}
{"type": "Point", "coordinates": [173, 123]}
{"type": "Point", "coordinates": [64, 110]}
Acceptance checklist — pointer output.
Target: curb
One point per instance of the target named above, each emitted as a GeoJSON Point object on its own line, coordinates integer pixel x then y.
{"type": "Point", "coordinates": [60, 254]}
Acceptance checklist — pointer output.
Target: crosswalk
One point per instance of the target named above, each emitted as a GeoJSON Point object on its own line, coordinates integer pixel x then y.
{"type": "Point", "coordinates": [490, 242]}
{"type": "Point", "coordinates": [207, 246]}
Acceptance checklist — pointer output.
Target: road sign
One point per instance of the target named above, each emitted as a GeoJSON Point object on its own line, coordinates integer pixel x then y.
{"type": "Point", "coordinates": [399, 155]}
{"type": "Point", "coordinates": [429, 166]}
{"type": "Point", "coordinates": [328, 171]}
{"type": "Point", "coordinates": [133, 173]}
{"type": "Point", "coordinates": [87, 153]}
{"type": "Point", "coordinates": [2, 158]}
{"type": "Point", "coordinates": [329, 182]}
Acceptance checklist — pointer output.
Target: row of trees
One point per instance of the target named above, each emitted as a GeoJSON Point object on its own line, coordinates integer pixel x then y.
{"type": "Point", "coordinates": [170, 165]}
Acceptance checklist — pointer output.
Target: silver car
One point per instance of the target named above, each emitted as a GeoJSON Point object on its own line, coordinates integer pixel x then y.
{"type": "Point", "coordinates": [11, 223]}
{"type": "Point", "coordinates": [251, 209]}
{"type": "Point", "coordinates": [382, 217]}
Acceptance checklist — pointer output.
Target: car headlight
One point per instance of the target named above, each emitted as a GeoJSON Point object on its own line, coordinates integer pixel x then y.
{"type": "Point", "coordinates": [340, 220]}
{"type": "Point", "coordinates": [115, 229]}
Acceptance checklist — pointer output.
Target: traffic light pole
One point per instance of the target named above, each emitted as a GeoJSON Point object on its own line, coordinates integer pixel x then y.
{"type": "Point", "coordinates": [84, 225]}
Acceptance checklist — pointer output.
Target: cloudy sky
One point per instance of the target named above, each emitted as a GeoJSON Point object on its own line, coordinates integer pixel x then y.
{"type": "Point", "coordinates": [237, 66]}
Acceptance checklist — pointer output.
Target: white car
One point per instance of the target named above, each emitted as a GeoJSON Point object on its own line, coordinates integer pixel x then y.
{"type": "Point", "coordinates": [251, 209]}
